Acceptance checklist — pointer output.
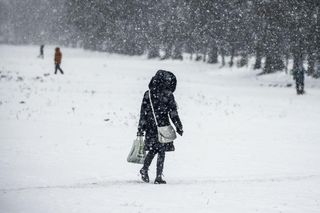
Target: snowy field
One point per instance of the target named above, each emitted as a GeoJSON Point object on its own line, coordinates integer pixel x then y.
{"type": "Point", "coordinates": [250, 143]}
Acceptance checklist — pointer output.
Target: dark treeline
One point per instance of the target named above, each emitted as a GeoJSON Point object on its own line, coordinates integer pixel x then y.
{"type": "Point", "coordinates": [273, 30]}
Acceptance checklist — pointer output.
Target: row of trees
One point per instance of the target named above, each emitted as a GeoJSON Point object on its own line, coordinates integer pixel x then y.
{"type": "Point", "coordinates": [275, 30]}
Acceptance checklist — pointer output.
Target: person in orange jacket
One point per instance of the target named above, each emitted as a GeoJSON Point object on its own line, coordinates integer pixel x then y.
{"type": "Point", "coordinates": [57, 60]}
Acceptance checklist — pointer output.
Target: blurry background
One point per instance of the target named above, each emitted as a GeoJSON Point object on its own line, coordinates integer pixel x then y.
{"type": "Point", "coordinates": [271, 30]}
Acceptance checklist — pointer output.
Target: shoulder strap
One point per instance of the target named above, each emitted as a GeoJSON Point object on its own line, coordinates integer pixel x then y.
{"type": "Point", "coordinates": [154, 115]}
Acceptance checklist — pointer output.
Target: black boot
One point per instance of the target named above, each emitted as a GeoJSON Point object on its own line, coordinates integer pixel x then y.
{"type": "Point", "coordinates": [160, 162]}
{"type": "Point", "coordinates": [144, 175]}
{"type": "Point", "coordinates": [147, 162]}
{"type": "Point", "coordinates": [159, 180]}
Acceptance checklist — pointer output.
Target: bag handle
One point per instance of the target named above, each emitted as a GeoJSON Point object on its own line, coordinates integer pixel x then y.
{"type": "Point", "coordinates": [154, 115]}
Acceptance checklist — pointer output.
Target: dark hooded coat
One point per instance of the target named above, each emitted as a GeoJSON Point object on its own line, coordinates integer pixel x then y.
{"type": "Point", "coordinates": [162, 86]}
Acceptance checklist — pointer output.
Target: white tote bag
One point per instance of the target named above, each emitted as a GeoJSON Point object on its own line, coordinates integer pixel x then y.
{"type": "Point", "coordinates": [137, 153]}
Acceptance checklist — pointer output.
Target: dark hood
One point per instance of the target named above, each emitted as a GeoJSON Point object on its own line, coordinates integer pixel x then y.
{"type": "Point", "coordinates": [163, 80]}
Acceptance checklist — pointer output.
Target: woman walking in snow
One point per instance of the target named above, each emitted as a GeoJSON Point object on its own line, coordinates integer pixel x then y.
{"type": "Point", "coordinates": [57, 60]}
{"type": "Point", "coordinates": [161, 88]}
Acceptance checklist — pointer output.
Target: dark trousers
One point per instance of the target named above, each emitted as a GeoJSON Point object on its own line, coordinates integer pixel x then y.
{"type": "Point", "coordinates": [58, 68]}
{"type": "Point", "coordinates": [160, 160]}
{"type": "Point", "coordinates": [300, 87]}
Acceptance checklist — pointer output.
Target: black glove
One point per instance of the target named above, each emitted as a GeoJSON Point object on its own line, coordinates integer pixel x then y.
{"type": "Point", "coordinates": [180, 131]}
{"type": "Point", "coordinates": [140, 133]}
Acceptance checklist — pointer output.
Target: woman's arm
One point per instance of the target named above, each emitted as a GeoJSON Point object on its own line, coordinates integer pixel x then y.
{"type": "Point", "coordinates": [174, 116]}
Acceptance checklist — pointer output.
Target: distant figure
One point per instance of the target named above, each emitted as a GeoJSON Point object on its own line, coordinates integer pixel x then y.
{"type": "Point", "coordinates": [57, 60]}
{"type": "Point", "coordinates": [298, 76]}
{"type": "Point", "coordinates": [41, 51]}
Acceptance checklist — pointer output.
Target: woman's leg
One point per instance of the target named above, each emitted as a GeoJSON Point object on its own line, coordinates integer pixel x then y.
{"type": "Point", "coordinates": [55, 69]}
{"type": "Point", "coordinates": [60, 69]}
{"type": "Point", "coordinates": [148, 159]}
{"type": "Point", "coordinates": [146, 164]}
{"type": "Point", "coordinates": [160, 162]}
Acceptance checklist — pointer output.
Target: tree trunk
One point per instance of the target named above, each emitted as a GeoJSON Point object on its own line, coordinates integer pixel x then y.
{"type": "Point", "coordinates": [257, 64]}
{"type": "Point", "coordinates": [273, 40]}
{"type": "Point", "coordinates": [168, 52]}
{"type": "Point", "coordinates": [287, 55]}
{"type": "Point", "coordinates": [198, 57]}
{"type": "Point", "coordinates": [153, 52]}
{"type": "Point", "coordinates": [213, 54]}
{"type": "Point", "coordinates": [244, 60]}
{"type": "Point", "coordinates": [191, 56]}
{"type": "Point", "coordinates": [177, 52]}
{"type": "Point", "coordinates": [223, 53]}
{"type": "Point", "coordinates": [232, 56]}
{"type": "Point", "coordinates": [273, 63]}
{"type": "Point", "coordinates": [204, 55]}
{"type": "Point", "coordinates": [317, 71]}
{"type": "Point", "coordinates": [311, 63]}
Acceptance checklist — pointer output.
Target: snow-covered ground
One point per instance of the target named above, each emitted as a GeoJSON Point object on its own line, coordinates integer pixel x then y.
{"type": "Point", "coordinates": [250, 143]}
